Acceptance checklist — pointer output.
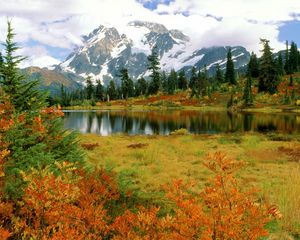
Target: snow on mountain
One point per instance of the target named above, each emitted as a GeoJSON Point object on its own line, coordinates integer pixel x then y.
{"type": "Point", "coordinates": [106, 50]}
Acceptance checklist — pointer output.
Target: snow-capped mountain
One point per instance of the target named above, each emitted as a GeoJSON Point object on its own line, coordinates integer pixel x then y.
{"type": "Point", "coordinates": [107, 50]}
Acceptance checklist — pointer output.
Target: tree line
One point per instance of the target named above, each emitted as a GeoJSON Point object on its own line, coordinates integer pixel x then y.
{"type": "Point", "coordinates": [268, 69]}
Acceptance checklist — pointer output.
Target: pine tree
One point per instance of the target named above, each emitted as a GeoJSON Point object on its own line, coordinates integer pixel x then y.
{"type": "Point", "coordinates": [64, 101]}
{"type": "Point", "coordinates": [293, 60]}
{"type": "Point", "coordinates": [99, 91]}
{"type": "Point", "coordinates": [23, 93]}
{"type": "Point", "coordinates": [230, 72]}
{"type": "Point", "coordinates": [253, 66]}
{"type": "Point", "coordinates": [38, 138]}
{"type": "Point", "coordinates": [248, 96]}
{"type": "Point", "coordinates": [154, 68]}
{"type": "Point", "coordinates": [126, 84]}
{"type": "Point", "coordinates": [182, 81]}
{"type": "Point", "coordinates": [141, 87]}
{"type": "Point", "coordinates": [280, 66]}
{"type": "Point", "coordinates": [287, 59]}
{"type": "Point", "coordinates": [111, 91]}
{"type": "Point", "coordinates": [202, 83]}
{"type": "Point", "coordinates": [268, 77]}
{"type": "Point", "coordinates": [172, 82]}
{"type": "Point", "coordinates": [219, 75]}
{"type": "Point", "coordinates": [90, 90]}
{"type": "Point", "coordinates": [164, 82]}
{"type": "Point", "coordinates": [193, 82]}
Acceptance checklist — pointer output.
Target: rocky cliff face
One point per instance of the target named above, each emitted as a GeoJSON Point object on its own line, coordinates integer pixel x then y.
{"type": "Point", "coordinates": [107, 50]}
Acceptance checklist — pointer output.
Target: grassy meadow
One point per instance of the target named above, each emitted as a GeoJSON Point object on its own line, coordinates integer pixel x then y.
{"type": "Point", "coordinates": [145, 163]}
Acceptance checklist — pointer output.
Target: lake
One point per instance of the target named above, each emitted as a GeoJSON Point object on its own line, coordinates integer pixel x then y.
{"type": "Point", "coordinates": [164, 122]}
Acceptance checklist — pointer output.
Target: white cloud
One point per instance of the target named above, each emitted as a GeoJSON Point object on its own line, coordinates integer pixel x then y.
{"type": "Point", "coordinates": [36, 56]}
{"type": "Point", "coordinates": [60, 23]}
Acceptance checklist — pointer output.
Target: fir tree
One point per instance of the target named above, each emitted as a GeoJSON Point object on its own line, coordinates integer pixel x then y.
{"type": "Point", "coordinates": [38, 138]}
{"type": "Point", "coordinates": [64, 101]}
{"type": "Point", "coordinates": [280, 66]}
{"type": "Point", "coordinates": [126, 84]}
{"type": "Point", "coordinates": [111, 91]}
{"type": "Point", "coordinates": [182, 81]}
{"type": "Point", "coordinates": [293, 60]}
{"type": "Point", "coordinates": [230, 73]}
{"type": "Point", "coordinates": [219, 77]}
{"type": "Point", "coordinates": [268, 77]}
{"type": "Point", "coordinates": [23, 93]}
{"type": "Point", "coordinates": [287, 57]}
{"type": "Point", "coordinates": [172, 82]}
{"type": "Point", "coordinates": [90, 90]}
{"type": "Point", "coordinates": [193, 82]}
{"type": "Point", "coordinates": [141, 87]}
{"type": "Point", "coordinates": [164, 82]}
{"type": "Point", "coordinates": [154, 69]}
{"type": "Point", "coordinates": [253, 66]}
{"type": "Point", "coordinates": [202, 83]}
{"type": "Point", "coordinates": [99, 91]}
{"type": "Point", "coordinates": [248, 96]}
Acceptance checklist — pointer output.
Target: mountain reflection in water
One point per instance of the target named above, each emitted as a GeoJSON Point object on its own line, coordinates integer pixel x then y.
{"type": "Point", "coordinates": [163, 122]}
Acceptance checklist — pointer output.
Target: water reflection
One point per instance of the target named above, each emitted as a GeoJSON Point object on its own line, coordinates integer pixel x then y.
{"type": "Point", "coordinates": [164, 122]}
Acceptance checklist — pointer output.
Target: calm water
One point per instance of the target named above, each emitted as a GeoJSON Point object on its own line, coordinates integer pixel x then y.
{"type": "Point", "coordinates": [164, 122]}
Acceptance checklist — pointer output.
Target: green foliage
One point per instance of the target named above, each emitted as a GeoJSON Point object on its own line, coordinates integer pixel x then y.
{"type": "Point", "coordinates": [126, 84]}
{"type": "Point", "coordinates": [268, 76]}
{"type": "Point", "coordinates": [90, 90]}
{"type": "Point", "coordinates": [182, 81]}
{"type": "Point", "coordinates": [253, 66]}
{"type": "Point", "coordinates": [172, 82]}
{"type": "Point", "coordinates": [23, 94]}
{"type": "Point", "coordinates": [111, 91]}
{"type": "Point", "coordinates": [193, 82]}
{"type": "Point", "coordinates": [154, 69]}
{"type": "Point", "coordinates": [99, 91]}
{"type": "Point", "coordinates": [219, 77]}
{"type": "Point", "coordinates": [202, 83]}
{"type": "Point", "coordinates": [230, 72]}
{"type": "Point", "coordinates": [248, 96]}
{"type": "Point", "coordinates": [141, 87]}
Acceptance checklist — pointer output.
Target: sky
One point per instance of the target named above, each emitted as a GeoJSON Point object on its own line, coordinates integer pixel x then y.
{"type": "Point", "coordinates": [49, 30]}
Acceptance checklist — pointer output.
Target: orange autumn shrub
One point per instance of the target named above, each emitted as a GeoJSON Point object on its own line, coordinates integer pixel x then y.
{"type": "Point", "coordinates": [222, 211]}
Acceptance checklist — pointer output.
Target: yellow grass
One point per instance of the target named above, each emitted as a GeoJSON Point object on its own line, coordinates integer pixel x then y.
{"type": "Point", "coordinates": [160, 159]}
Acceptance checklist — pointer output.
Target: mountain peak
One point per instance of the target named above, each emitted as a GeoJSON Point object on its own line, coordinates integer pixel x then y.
{"type": "Point", "coordinates": [153, 27]}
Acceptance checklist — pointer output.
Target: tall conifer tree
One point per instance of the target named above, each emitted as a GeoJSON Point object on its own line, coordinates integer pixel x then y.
{"type": "Point", "coordinates": [230, 72]}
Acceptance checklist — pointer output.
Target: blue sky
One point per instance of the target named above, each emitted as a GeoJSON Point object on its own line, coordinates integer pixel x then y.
{"type": "Point", "coordinates": [49, 30]}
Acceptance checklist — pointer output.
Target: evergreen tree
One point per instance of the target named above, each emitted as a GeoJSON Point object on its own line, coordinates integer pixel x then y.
{"type": "Point", "coordinates": [182, 81]}
{"type": "Point", "coordinates": [90, 90]}
{"type": "Point", "coordinates": [172, 82]}
{"type": "Point", "coordinates": [64, 101]}
{"type": "Point", "coordinates": [202, 83]}
{"type": "Point", "coordinates": [268, 77]}
{"type": "Point", "coordinates": [219, 77]}
{"type": "Point", "coordinates": [230, 72]}
{"type": "Point", "coordinates": [154, 68]}
{"type": "Point", "coordinates": [164, 82]}
{"type": "Point", "coordinates": [23, 93]}
{"type": "Point", "coordinates": [287, 59]}
{"type": "Point", "coordinates": [99, 91]}
{"type": "Point", "coordinates": [248, 96]}
{"type": "Point", "coordinates": [141, 87]}
{"type": "Point", "coordinates": [38, 138]}
{"type": "Point", "coordinates": [193, 82]}
{"type": "Point", "coordinates": [253, 66]}
{"type": "Point", "coordinates": [111, 91]}
{"type": "Point", "coordinates": [293, 60]}
{"type": "Point", "coordinates": [280, 66]}
{"type": "Point", "coordinates": [126, 84]}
